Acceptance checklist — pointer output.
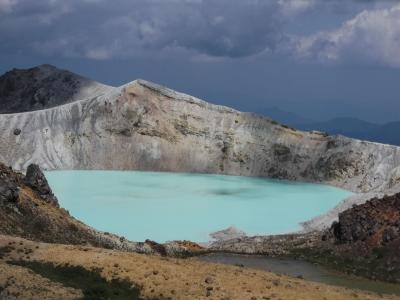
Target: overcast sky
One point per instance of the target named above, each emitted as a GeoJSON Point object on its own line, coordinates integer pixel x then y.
{"type": "Point", "coordinates": [318, 58]}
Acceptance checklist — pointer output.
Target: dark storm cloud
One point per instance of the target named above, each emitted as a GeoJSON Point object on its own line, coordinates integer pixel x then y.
{"type": "Point", "coordinates": [103, 29]}
{"type": "Point", "coordinates": [196, 29]}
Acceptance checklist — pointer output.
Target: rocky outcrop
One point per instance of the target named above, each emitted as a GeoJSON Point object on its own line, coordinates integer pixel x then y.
{"type": "Point", "coordinates": [365, 240]}
{"type": "Point", "coordinates": [8, 192]}
{"type": "Point", "coordinates": [36, 180]}
{"type": "Point", "coordinates": [28, 209]}
{"type": "Point", "coordinates": [227, 234]}
{"type": "Point", "coordinates": [375, 223]}
{"type": "Point", "coordinates": [11, 182]}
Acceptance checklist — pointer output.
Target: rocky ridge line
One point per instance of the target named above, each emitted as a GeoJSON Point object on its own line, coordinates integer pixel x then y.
{"type": "Point", "coordinates": [158, 129]}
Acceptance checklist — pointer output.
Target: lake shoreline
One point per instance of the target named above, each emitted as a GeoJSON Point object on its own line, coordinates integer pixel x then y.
{"type": "Point", "coordinates": [315, 246]}
{"type": "Point", "coordinates": [173, 206]}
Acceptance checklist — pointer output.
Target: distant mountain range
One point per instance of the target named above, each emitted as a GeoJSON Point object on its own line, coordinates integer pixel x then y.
{"type": "Point", "coordinates": [285, 117]}
{"type": "Point", "coordinates": [388, 133]}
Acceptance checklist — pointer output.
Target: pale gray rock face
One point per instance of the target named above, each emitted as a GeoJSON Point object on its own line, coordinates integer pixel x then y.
{"type": "Point", "coordinates": [143, 126]}
{"type": "Point", "coordinates": [227, 234]}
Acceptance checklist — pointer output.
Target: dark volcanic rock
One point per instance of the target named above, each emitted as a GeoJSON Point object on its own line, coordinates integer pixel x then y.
{"type": "Point", "coordinates": [8, 192]}
{"type": "Point", "coordinates": [41, 87]}
{"type": "Point", "coordinates": [365, 241]}
{"type": "Point", "coordinates": [376, 222]}
{"type": "Point", "coordinates": [17, 131]}
{"type": "Point", "coordinates": [36, 180]}
{"type": "Point", "coordinates": [8, 186]}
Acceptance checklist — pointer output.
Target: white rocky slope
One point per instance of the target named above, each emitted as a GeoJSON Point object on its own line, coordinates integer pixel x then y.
{"type": "Point", "coordinates": [144, 126]}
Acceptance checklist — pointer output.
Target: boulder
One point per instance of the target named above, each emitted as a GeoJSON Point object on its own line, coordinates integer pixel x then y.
{"type": "Point", "coordinates": [17, 131]}
{"type": "Point", "coordinates": [36, 180]}
{"type": "Point", "coordinates": [8, 192]}
{"type": "Point", "coordinates": [227, 234]}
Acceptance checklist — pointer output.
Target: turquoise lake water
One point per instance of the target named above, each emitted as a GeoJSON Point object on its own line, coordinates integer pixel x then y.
{"type": "Point", "coordinates": [175, 206]}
